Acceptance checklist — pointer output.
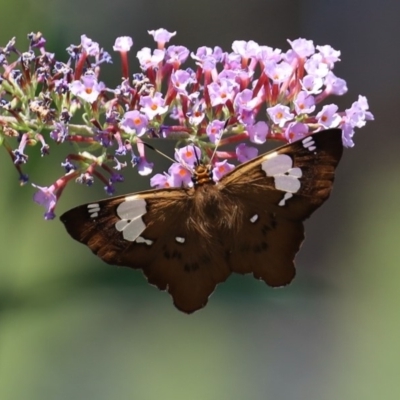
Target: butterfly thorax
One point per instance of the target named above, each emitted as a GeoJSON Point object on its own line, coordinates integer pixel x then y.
{"type": "Point", "coordinates": [212, 212]}
{"type": "Point", "coordinates": [202, 174]}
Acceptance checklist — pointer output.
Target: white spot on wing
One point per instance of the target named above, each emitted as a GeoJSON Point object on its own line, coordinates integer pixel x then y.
{"type": "Point", "coordinates": [254, 218]}
{"type": "Point", "coordinates": [141, 239]}
{"type": "Point", "coordinates": [309, 143]}
{"type": "Point", "coordinates": [180, 239]}
{"type": "Point", "coordinates": [287, 196]}
{"type": "Point", "coordinates": [286, 178]}
{"type": "Point", "coordinates": [93, 210]}
{"type": "Point", "coordinates": [130, 213]}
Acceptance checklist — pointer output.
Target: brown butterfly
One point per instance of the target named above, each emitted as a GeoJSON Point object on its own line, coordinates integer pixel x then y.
{"type": "Point", "coordinates": [187, 240]}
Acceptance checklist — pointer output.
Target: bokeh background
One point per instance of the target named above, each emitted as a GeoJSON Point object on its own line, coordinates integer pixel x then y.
{"type": "Point", "coordinates": [72, 327]}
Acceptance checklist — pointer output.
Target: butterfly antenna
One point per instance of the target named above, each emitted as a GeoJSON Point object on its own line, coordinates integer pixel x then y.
{"type": "Point", "coordinates": [185, 165]}
{"type": "Point", "coordinates": [158, 151]}
{"type": "Point", "coordinates": [219, 140]}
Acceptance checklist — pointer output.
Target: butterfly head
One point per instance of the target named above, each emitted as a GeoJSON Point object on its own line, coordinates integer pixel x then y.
{"type": "Point", "coordinates": [202, 174]}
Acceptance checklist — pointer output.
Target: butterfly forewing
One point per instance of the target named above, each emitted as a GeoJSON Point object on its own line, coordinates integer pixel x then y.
{"type": "Point", "coordinates": [186, 241]}
{"type": "Point", "coordinates": [278, 190]}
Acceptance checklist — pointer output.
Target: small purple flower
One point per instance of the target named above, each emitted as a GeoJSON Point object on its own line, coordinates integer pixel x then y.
{"type": "Point", "coordinates": [160, 181]}
{"type": "Point", "coordinates": [347, 135]}
{"type": "Point", "coordinates": [244, 101]}
{"type": "Point", "coordinates": [188, 155]}
{"type": "Point", "coordinates": [144, 167]}
{"type": "Point", "coordinates": [304, 103]}
{"type": "Point", "coordinates": [19, 157]}
{"type": "Point", "coordinates": [316, 66]}
{"type": "Point", "coordinates": [148, 60]}
{"type": "Point", "coordinates": [245, 49]}
{"type": "Point", "coordinates": [116, 178]}
{"type": "Point", "coordinates": [328, 118]}
{"type": "Point", "coordinates": [245, 153]}
{"type": "Point", "coordinates": [214, 130]}
{"type": "Point", "coordinates": [266, 53]}
{"type": "Point", "coordinates": [221, 168]}
{"type": "Point", "coordinates": [335, 85]}
{"type": "Point", "coordinates": [91, 48]}
{"type": "Point", "coordinates": [357, 114]}
{"type": "Point", "coordinates": [278, 72]}
{"type": "Point", "coordinates": [180, 79]}
{"type": "Point", "coordinates": [258, 132]}
{"type": "Point", "coordinates": [134, 122]}
{"type": "Point", "coordinates": [222, 91]}
{"type": "Point", "coordinates": [329, 54]}
{"type": "Point", "coordinates": [68, 166]}
{"type": "Point", "coordinates": [312, 84]}
{"type": "Point", "coordinates": [296, 131]}
{"type": "Point", "coordinates": [162, 36]}
{"type": "Point", "coordinates": [123, 43]}
{"type": "Point", "coordinates": [109, 189]}
{"type": "Point", "coordinates": [153, 105]}
{"type": "Point", "coordinates": [179, 176]}
{"type": "Point", "coordinates": [87, 88]}
{"type": "Point", "coordinates": [46, 197]}
{"type": "Point", "coordinates": [176, 54]}
{"type": "Point", "coordinates": [303, 47]}
{"type": "Point", "coordinates": [280, 114]}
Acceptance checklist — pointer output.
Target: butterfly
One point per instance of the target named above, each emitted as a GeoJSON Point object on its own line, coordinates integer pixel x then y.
{"type": "Point", "coordinates": [187, 240]}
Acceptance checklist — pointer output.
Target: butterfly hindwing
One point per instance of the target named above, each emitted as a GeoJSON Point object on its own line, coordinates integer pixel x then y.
{"type": "Point", "coordinates": [153, 231]}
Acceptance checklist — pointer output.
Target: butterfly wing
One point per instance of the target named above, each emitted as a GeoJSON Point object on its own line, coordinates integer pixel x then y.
{"type": "Point", "coordinates": [151, 231]}
{"type": "Point", "coordinates": [277, 192]}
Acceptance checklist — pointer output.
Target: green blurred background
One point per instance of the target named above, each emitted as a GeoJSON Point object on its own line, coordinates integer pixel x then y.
{"type": "Point", "coordinates": [71, 327]}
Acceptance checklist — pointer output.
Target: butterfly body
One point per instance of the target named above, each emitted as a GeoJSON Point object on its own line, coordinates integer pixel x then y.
{"type": "Point", "coordinates": [187, 240]}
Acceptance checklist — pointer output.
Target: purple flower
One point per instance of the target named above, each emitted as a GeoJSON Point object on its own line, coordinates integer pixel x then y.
{"type": "Point", "coordinates": [160, 181]}
{"type": "Point", "coordinates": [245, 49]}
{"type": "Point", "coordinates": [258, 132]}
{"type": "Point", "coordinates": [328, 118]}
{"type": "Point", "coordinates": [144, 167]}
{"type": "Point", "coordinates": [304, 103]}
{"type": "Point", "coordinates": [176, 54]}
{"type": "Point", "coordinates": [214, 130]}
{"type": "Point", "coordinates": [329, 54]}
{"type": "Point", "coordinates": [161, 36]}
{"type": "Point", "coordinates": [180, 79]}
{"type": "Point", "coordinates": [347, 135]}
{"type": "Point", "coordinates": [335, 85]}
{"type": "Point", "coordinates": [222, 91]}
{"type": "Point", "coordinates": [280, 114]}
{"type": "Point", "coordinates": [312, 84]}
{"type": "Point", "coordinates": [316, 66]}
{"type": "Point", "coordinates": [296, 131]}
{"type": "Point", "coordinates": [357, 114]}
{"type": "Point", "coordinates": [278, 72]}
{"type": "Point", "coordinates": [179, 176]}
{"type": "Point", "coordinates": [90, 47]}
{"type": "Point", "coordinates": [245, 153]}
{"type": "Point", "coordinates": [134, 122]}
{"type": "Point", "coordinates": [188, 155]}
{"type": "Point", "coordinates": [46, 197]}
{"type": "Point", "coordinates": [221, 168]}
{"type": "Point", "coordinates": [123, 43]}
{"type": "Point", "coordinates": [303, 48]}
{"type": "Point", "coordinates": [148, 60]}
{"type": "Point", "coordinates": [153, 105]}
{"type": "Point", "coordinates": [87, 88]}
{"type": "Point", "coordinates": [266, 53]}
{"type": "Point", "coordinates": [109, 189]}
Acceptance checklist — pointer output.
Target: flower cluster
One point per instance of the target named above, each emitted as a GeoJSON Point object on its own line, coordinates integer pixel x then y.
{"type": "Point", "coordinates": [246, 96]}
